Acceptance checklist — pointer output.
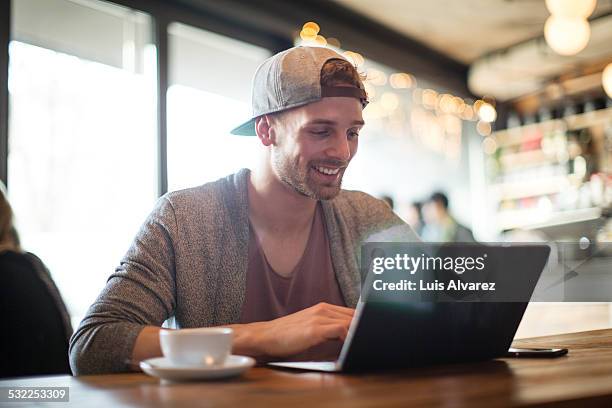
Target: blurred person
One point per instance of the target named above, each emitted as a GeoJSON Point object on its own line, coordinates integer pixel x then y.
{"type": "Point", "coordinates": [36, 323]}
{"type": "Point", "coordinates": [440, 226]}
{"type": "Point", "coordinates": [272, 252]}
{"type": "Point", "coordinates": [413, 215]}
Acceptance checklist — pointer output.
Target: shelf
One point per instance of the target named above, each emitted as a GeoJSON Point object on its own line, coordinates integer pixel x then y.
{"type": "Point", "coordinates": [520, 135]}
{"type": "Point", "coordinates": [533, 218]}
{"type": "Point", "coordinates": [530, 158]}
{"type": "Point", "coordinates": [516, 135]}
{"type": "Point", "coordinates": [589, 119]}
{"type": "Point", "coordinates": [569, 217]}
{"type": "Point", "coordinates": [530, 188]}
{"type": "Point", "coordinates": [525, 176]}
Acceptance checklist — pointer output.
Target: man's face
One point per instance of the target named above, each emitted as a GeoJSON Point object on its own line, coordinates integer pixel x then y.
{"type": "Point", "coordinates": [314, 145]}
{"type": "Point", "coordinates": [433, 212]}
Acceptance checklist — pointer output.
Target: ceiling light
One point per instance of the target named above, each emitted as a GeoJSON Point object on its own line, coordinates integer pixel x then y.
{"type": "Point", "coordinates": [459, 104]}
{"type": "Point", "coordinates": [320, 41]}
{"type": "Point", "coordinates": [467, 113]}
{"type": "Point", "coordinates": [567, 36]}
{"type": "Point", "coordinates": [400, 80]}
{"type": "Point", "coordinates": [308, 34]}
{"type": "Point", "coordinates": [483, 128]}
{"type": "Point", "coordinates": [487, 112]}
{"type": "Point", "coordinates": [311, 25]}
{"type": "Point", "coordinates": [334, 42]}
{"type": "Point", "coordinates": [446, 103]}
{"type": "Point", "coordinates": [477, 105]}
{"type": "Point", "coordinates": [354, 57]}
{"type": "Point", "coordinates": [489, 145]}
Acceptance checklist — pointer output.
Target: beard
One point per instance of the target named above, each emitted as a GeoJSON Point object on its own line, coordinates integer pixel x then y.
{"type": "Point", "coordinates": [304, 179]}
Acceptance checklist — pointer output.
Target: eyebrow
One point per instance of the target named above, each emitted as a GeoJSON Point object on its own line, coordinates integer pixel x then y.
{"type": "Point", "coordinates": [332, 122]}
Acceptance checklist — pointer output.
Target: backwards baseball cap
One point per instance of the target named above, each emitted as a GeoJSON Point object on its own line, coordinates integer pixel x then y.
{"type": "Point", "coordinates": [290, 79]}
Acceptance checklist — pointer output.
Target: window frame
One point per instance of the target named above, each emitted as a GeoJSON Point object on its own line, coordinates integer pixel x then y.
{"type": "Point", "coordinates": [162, 14]}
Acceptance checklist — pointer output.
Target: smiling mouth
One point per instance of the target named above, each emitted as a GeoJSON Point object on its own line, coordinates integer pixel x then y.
{"type": "Point", "coordinates": [328, 171]}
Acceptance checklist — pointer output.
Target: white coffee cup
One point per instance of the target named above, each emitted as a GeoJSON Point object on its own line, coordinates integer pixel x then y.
{"type": "Point", "coordinates": [207, 346]}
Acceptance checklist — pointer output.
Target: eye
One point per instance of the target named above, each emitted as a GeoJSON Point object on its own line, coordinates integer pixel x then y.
{"type": "Point", "coordinates": [320, 132]}
{"type": "Point", "coordinates": [353, 134]}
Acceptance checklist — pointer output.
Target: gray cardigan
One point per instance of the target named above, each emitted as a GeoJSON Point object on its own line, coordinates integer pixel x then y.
{"type": "Point", "coordinates": [189, 261]}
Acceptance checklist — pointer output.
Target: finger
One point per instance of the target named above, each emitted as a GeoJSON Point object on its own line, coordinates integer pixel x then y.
{"type": "Point", "coordinates": [333, 331]}
{"type": "Point", "coordinates": [317, 321]}
{"type": "Point", "coordinates": [332, 314]}
{"type": "Point", "coordinates": [345, 311]}
{"type": "Point", "coordinates": [327, 307]}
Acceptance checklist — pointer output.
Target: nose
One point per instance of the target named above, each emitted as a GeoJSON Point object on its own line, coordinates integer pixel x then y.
{"type": "Point", "coordinates": [340, 148]}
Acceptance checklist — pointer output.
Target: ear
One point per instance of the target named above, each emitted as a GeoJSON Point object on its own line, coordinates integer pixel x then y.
{"type": "Point", "coordinates": [263, 128]}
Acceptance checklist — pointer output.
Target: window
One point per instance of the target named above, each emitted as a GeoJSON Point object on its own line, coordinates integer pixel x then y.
{"type": "Point", "coordinates": [82, 137]}
{"type": "Point", "coordinates": [209, 94]}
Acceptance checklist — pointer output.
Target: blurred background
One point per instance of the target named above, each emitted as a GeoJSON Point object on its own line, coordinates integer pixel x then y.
{"type": "Point", "coordinates": [495, 114]}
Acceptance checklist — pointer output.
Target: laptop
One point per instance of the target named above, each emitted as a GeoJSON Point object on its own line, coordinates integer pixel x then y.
{"type": "Point", "coordinates": [401, 331]}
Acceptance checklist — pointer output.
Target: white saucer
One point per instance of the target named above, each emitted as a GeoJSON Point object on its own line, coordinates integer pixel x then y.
{"type": "Point", "coordinates": [162, 368]}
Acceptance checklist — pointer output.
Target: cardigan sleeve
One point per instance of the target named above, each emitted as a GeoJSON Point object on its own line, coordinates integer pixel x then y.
{"type": "Point", "coordinates": [139, 293]}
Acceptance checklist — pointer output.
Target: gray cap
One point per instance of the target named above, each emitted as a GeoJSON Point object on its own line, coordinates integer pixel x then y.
{"type": "Point", "coordinates": [290, 79]}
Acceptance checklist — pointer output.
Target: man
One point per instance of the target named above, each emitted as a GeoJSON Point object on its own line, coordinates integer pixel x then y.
{"type": "Point", "coordinates": [440, 226]}
{"type": "Point", "coordinates": [272, 253]}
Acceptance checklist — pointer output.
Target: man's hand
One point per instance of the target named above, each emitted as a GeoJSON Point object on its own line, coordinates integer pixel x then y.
{"type": "Point", "coordinates": [281, 337]}
{"type": "Point", "coordinates": [293, 333]}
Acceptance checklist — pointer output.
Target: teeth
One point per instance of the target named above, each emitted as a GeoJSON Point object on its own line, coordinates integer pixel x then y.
{"type": "Point", "coordinates": [325, 170]}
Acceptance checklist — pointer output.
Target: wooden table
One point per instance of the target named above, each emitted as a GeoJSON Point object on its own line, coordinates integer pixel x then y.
{"type": "Point", "coordinates": [581, 379]}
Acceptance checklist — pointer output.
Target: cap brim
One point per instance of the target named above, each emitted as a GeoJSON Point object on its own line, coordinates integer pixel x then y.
{"type": "Point", "coordinates": [246, 129]}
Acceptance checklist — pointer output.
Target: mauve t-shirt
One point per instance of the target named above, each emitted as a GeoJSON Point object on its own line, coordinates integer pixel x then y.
{"type": "Point", "coordinates": [270, 295]}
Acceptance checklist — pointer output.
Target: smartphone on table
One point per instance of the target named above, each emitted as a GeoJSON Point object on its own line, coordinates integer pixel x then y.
{"type": "Point", "coordinates": [535, 352]}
